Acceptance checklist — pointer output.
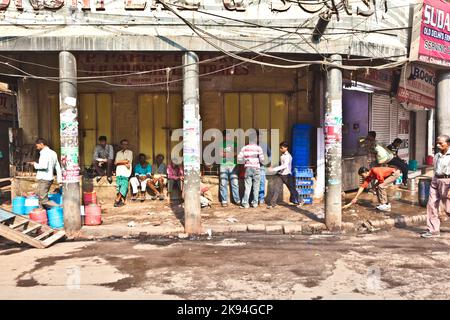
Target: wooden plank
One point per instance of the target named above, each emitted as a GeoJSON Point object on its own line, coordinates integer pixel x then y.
{"type": "Point", "coordinates": [45, 234]}
{"type": "Point", "coordinates": [16, 236]}
{"type": "Point", "coordinates": [58, 235]}
{"type": "Point", "coordinates": [15, 226]}
{"type": "Point", "coordinates": [35, 227]}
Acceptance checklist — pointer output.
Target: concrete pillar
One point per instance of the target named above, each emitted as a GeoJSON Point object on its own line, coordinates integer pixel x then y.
{"type": "Point", "coordinates": [443, 103]}
{"type": "Point", "coordinates": [28, 110]}
{"type": "Point", "coordinates": [69, 142]}
{"type": "Point", "coordinates": [191, 144]}
{"type": "Point", "coordinates": [333, 146]}
{"type": "Point", "coordinates": [430, 136]}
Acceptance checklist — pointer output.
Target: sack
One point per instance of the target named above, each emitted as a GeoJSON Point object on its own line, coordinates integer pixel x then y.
{"type": "Point", "coordinates": [383, 154]}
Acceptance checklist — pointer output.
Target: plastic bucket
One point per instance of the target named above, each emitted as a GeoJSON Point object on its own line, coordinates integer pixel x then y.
{"type": "Point", "coordinates": [39, 215]}
{"type": "Point", "coordinates": [424, 191]}
{"type": "Point", "coordinates": [55, 218]}
{"type": "Point", "coordinates": [18, 205]}
{"type": "Point", "coordinates": [429, 160]}
{"type": "Point", "coordinates": [89, 198]}
{"type": "Point", "coordinates": [412, 165]}
{"type": "Point", "coordinates": [92, 215]}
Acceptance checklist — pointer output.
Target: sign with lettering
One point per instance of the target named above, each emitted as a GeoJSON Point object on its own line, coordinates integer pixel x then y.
{"type": "Point", "coordinates": [362, 8]}
{"type": "Point", "coordinates": [417, 86]}
{"type": "Point", "coordinates": [431, 33]}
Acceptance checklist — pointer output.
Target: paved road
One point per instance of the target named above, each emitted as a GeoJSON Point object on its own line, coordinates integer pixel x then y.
{"type": "Point", "coordinates": [383, 265]}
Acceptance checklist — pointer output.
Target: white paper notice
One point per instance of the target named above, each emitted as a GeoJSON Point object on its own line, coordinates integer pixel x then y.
{"type": "Point", "coordinates": [189, 111]}
{"type": "Point", "coordinates": [70, 101]}
{"type": "Point", "coordinates": [336, 106]}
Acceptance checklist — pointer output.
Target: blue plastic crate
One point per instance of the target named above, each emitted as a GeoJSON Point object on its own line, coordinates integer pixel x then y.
{"type": "Point", "coordinates": [303, 173]}
{"type": "Point", "coordinates": [299, 182]}
{"type": "Point", "coordinates": [302, 191]}
{"type": "Point", "coordinates": [301, 144]}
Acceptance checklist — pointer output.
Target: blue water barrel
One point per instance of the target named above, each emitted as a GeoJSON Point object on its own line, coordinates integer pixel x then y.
{"type": "Point", "coordinates": [424, 191]}
{"type": "Point", "coordinates": [55, 197]}
{"type": "Point", "coordinates": [55, 217]}
{"type": "Point", "coordinates": [31, 202]}
{"type": "Point", "coordinates": [18, 205]}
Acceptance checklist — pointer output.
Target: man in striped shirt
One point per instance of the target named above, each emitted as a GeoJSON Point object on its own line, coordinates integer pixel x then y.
{"type": "Point", "coordinates": [252, 156]}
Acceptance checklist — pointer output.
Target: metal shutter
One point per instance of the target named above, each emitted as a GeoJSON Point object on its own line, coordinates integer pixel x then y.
{"type": "Point", "coordinates": [394, 120]}
{"type": "Point", "coordinates": [380, 117]}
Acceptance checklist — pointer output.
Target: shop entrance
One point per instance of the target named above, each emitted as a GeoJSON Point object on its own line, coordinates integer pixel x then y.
{"type": "Point", "coordinates": [158, 116]}
{"type": "Point", "coordinates": [95, 120]}
{"type": "Point", "coordinates": [257, 110]}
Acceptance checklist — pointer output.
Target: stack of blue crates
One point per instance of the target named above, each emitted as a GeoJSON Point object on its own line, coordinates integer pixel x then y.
{"type": "Point", "coordinates": [301, 145]}
{"type": "Point", "coordinates": [304, 184]}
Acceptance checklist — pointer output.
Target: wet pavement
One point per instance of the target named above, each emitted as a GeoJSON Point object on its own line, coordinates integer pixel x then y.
{"type": "Point", "coordinates": [382, 265]}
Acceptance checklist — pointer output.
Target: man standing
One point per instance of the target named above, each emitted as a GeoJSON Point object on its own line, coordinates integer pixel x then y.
{"type": "Point", "coordinates": [103, 159]}
{"type": "Point", "coordinates": [252, 155]}
{"type": "Point", "coordinates": [439, 188]}
{"type": "Point", "coordinates": [385, 176]}
{"type": "Point", "coordinates": [267, 156]}
{"type": "Point", "coordinates": [228, 171]}
{"type": "Point", "coordinates": [48, 162]}
{"type": "Point", "coordinates": [124, 159]}
{"type": "Point", "coordinates": [284, 177]}
{"type": "Point", "coordinates": [142, 175]}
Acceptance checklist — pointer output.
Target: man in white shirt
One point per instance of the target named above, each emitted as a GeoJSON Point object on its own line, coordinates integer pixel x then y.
{"type": "Point", "coordinates": [124, 159]}
{"type": "Point", "coordinates": [48, 162]}
{"type": "Point", "coordinates": [440, 187]}
{"type": "Point", "coordinates": [284, 175]}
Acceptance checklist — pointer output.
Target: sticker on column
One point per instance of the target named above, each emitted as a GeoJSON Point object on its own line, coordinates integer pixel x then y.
{"type": "Point", "coordinates": [336, 107]}
{"type": "Point", "coordinates": [70, 101]}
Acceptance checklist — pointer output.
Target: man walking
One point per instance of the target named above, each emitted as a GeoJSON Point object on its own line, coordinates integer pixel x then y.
{"type": "Point", "coordinates": [103, 159]}
{"type": "Point", "coordinates": [385, 176]}
{"type": "Point", "coordinates": [439, 189]}
{"type": "Point", "coordinates": [284, 172]}
{"type": "Point", "coordinates": [124, 159]}
{"type": "Point", "coordinates": [229, 171]}
{"type": "Point", "coordinates": [48, 162]}
{"type": "Point", "coordinates": [252, 155]}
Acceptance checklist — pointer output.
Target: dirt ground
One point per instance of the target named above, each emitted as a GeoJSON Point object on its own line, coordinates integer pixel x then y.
{"type": "Point", "coordinates": [161, 213]}
{"type": "Point", "coordinates": [383, 265]}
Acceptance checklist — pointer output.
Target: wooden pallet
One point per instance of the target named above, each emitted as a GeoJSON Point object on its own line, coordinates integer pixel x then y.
{"type": "Point", "coordinates": [19, 229]}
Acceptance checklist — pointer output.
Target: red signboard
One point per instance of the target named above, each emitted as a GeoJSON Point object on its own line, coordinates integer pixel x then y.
{"type": "Point", "coordinates": [431, 33]}
{"type": "Point", "coordinates": [417, 86]}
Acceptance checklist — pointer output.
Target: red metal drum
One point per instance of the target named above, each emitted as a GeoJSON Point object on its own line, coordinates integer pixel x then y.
{"type": "Point", "coordinates": [39, 215]}
{"type": "Point", "coordinates": [92, 215]}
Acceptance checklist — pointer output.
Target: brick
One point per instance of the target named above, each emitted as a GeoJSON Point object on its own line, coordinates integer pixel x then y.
{"type": "Point", "coordinates": [292, 228]}
{"type": "Point", "coordinates": [238, 228]}
{"type": "Point", "coordinates": [274, 229]}
{"type": "Point", "coordinates": [256, 228]}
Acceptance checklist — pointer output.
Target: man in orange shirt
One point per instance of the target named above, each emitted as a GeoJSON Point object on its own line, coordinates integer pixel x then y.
{"type": "Point", "coordinates": [385, 177]}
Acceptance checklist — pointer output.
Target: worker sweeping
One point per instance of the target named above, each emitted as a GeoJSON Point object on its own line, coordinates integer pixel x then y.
{"type": "Point", "coordinates": [385, 177]}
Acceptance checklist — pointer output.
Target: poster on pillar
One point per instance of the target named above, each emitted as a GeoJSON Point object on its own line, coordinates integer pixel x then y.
{"type": "Point", "coordinates": [70, 164]}
{"type": "Point", "coordinates": [191, 145]}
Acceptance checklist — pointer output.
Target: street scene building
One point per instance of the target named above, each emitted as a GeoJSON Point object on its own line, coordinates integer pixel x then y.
{"type": "Point", "coordinates": [333, 91]}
